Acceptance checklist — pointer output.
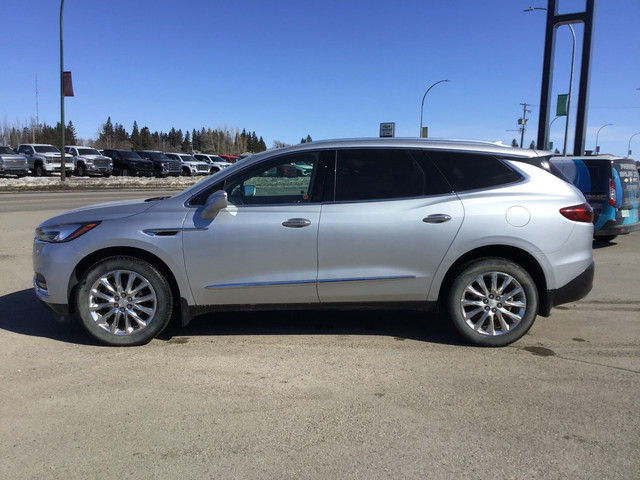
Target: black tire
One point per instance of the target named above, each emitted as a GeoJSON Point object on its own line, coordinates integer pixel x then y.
{"type": "Point", "coordinates": [186, 172]}
{"type": "Point", "coordinates": [38, 171]}
{"type": "Point", "coordinates": [82, 171]}
{"type": "Point", "coordinates": [125, 172]}
{"type": "Point", "coordinates": [214, 170]}
{"type": "Point", "coordinates": [119, 320]}
{"type": "Point", "coordinates": [604, 238]}
{"type": "Point", "coordinates": [493, 302]}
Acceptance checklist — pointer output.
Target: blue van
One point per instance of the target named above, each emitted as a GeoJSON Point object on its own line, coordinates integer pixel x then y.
{"type": "Point", "coordinates": [610, 185]}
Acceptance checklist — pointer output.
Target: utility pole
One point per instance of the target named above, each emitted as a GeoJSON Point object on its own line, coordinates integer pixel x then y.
{"type": "Point", "coordinates": [523, 121]}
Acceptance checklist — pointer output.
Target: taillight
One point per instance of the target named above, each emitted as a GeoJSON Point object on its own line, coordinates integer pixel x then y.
{"type": "Point", "coordinates": [612, 193]}
{"type": "Point", "coordinates": [578, 213]}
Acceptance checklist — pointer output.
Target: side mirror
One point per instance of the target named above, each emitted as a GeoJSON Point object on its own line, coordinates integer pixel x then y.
{"type": "Point", "coordinates": [216, 202]}
{"type": "Point", "coordinates": [248, 190]}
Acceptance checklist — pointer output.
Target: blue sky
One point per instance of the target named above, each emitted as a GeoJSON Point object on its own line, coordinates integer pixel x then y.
{"type": "Point", "coordinates": [327, 69]}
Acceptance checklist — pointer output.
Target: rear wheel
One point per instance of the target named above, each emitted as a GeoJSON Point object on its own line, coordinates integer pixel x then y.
{"type": "Point", "coordinates": [493, 302]}
{"type": "Point", "coordinates": [124, 301]}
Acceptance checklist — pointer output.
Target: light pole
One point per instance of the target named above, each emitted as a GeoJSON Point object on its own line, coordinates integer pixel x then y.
{"type": "Point", "coordinates": [62, 159]}
{"type": "Point", "coordinates": [552, 121]}
{"type": "Point", "coordinates": [597, 134]}
{"type": "Point", "coordinates": [422, 106]}
{"type": "Point", "coordinates": [573, 58]}
{"type": "Point", "coordinates": [629, 146]}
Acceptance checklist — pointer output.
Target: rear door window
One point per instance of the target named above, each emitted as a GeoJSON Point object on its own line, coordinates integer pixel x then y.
{"type": "Point", "coordinates": [385, 174]}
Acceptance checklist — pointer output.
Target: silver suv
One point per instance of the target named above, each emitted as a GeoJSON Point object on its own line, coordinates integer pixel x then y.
{"type": "Point", "coordinates": [478, 230]}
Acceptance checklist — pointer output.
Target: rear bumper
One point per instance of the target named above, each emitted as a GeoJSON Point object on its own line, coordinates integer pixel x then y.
{"type": "Point", "coordinates": [576, 289]}
{"type": "Point", "coordinates": [611, 228]}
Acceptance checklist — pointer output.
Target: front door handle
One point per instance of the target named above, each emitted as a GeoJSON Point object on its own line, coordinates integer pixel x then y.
{"type": "Point", "coordinates": [296, 223]}
{"type": "Point", "coordinates": [437, 218]}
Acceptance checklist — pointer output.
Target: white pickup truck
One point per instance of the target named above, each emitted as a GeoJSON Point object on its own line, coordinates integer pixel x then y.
{"type": "Point", "coordinates": [43, 159]}
{"type": "Point", "coordinates": [89, 161]}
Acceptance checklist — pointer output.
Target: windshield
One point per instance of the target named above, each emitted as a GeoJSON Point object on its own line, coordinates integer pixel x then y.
{"type": "Point", "coordinates": [46, 149]}
{"type": "Point", "coordinates": [157, 155]}
{"type": "Point", "coordinates": [88, 151]}
{"type": "Point", "coordinates": [133, 155]}
{"type": "Point", "coordinates": [6, 150]}
{"type": "Point", "coordinates": [188, 158]}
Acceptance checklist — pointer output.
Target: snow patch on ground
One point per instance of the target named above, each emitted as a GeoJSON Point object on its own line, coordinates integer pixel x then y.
{"type": "Point", "coordinates": [53, 183]}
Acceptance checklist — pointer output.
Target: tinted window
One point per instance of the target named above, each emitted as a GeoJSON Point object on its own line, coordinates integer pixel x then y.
{"type": "Point", "coordinates": [284, 180]}
{"type": "Point", "coordinates": [46, 149]}
{"type": "Point", "coordinates": [375, 174]}
{"type": "Point", "coordinates": [471, 171]}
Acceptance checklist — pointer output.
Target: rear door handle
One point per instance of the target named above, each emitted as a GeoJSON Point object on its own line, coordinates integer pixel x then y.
{"type": "Point", "coordinates": [296, 223]}
{"type": "Point", "coordinates": [437, 218]}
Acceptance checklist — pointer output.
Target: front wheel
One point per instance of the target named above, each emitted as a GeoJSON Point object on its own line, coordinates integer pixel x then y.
{"type": "Point", "coordinates": [82, 171]}
{"type": "Point", "coordinates": [124, 301]}
{"type": "Point", "coordinates": [493, 302]}
{"type": "Point", "coordinates": [125, 172]}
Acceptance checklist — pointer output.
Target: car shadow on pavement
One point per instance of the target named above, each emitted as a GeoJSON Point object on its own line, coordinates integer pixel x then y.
{"type": "Point", "coordinates": [22, 313]}
{"type": "Point", "coordinates": [601, 244]}
{"type": "Point", "coordinates": [400, 324]}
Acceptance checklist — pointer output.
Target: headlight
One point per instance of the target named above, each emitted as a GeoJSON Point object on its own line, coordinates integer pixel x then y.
{"type": "Point", "coordinates": [63, 233]}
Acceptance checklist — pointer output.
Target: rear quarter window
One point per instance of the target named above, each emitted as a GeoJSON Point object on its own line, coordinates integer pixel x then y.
{"type": "Point", "coordinates": [471, 171]}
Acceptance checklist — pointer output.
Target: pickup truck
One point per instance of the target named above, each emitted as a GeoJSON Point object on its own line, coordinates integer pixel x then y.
{"type": "Point", "coordinates": [89, 161]}
{"type": "Point", "coordinates": [43, 159]}
{"type": "Point", "coordinates": [190, 166]}
{"type": "Point", "coordinates": [11, 163]}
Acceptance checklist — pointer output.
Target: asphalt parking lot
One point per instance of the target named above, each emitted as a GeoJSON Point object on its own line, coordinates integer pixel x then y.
{"type": "Point", "coordinates": [356, 395]}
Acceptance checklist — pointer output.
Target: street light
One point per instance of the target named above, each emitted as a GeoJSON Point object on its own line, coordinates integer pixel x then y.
{"type": "Point", "coordinates": [629, 146]}
{"type": "Point", "coordinates": [573, 58]}
{"type": "Point", "coordinates": [62, 159]}
{"type": "Point", "coordinates": [423, 97]}
{"type": "Point", "coordinates": [597, 134]}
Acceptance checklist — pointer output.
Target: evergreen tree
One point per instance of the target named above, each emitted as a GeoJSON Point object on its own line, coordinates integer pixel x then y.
{"type": "Point", "coordinates": [135, 137]}
{"type": "Point", "coordinates": [261, 145]}
{"type": "Point", "coordinates": [70, 134]}
{"type": "Point", "coordinates": [106, 136]}
{"type": "Point", "coordinates": [146, 141]}
{"type": "Point", "coordinates": [186, 144]}
{"type": "Point", "coordinates": [195, 140]}
{"type": "Point", "coordinates": [121, 137]}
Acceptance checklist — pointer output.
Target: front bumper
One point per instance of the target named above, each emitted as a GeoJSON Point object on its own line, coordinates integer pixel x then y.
{"type": "Point", "coordinates": [9, 170]}
{"type": "Point", "coordinates": [98, 170]}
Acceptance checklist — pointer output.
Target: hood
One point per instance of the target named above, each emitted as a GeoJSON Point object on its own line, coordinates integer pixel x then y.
{"type": "Point", "coordinates": [103, 211]}
{"type": "Point", "coordinates": [94, 157]}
